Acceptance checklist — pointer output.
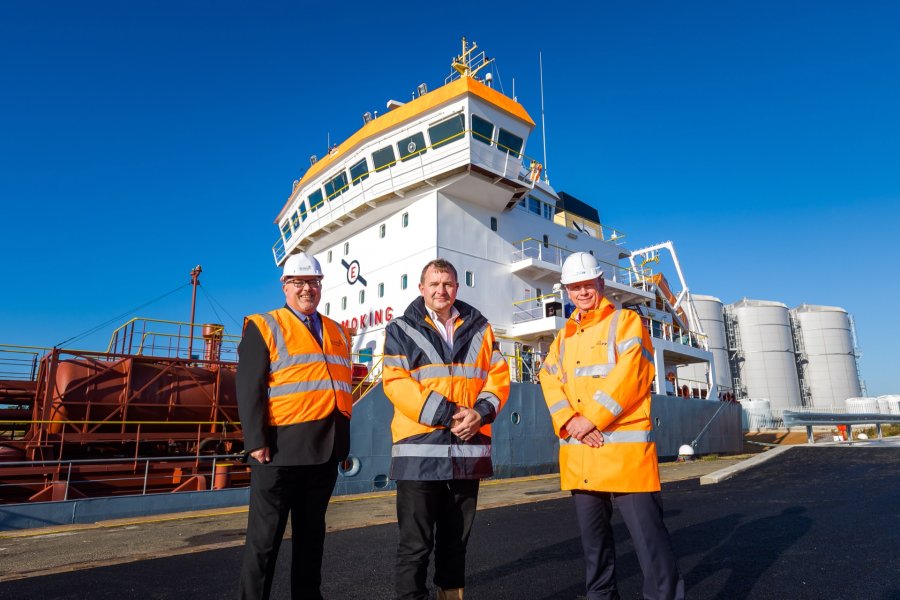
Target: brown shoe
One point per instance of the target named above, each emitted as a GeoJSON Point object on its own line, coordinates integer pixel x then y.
{"type": "Point", "coordinates": [454, 594]}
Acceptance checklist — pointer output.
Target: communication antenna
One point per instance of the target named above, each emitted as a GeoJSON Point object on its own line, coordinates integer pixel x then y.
{"type": "Point", "coordinates": [543, 126]}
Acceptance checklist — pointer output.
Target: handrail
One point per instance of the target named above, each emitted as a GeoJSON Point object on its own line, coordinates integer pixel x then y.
{"type": "Point", "coordinates": [371, 379]}
{"type": "Point", "coordinates": [143, 482]}
{"type": "Point", "coordinates": [127, 331]}
{"type": "Point", "coordinates": [620, 273]}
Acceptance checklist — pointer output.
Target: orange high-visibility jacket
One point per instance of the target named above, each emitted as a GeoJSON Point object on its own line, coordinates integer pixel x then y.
{"type": "Point", "coordinates": [306, 381]}
{"type": "Point", "coordinates": [600, 366]}
{"type": "Point", "coordinates": [426, 380]}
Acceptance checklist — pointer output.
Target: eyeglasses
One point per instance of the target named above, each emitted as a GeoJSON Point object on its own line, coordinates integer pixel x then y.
{"type": "Point", "coordinates": [313, 284]}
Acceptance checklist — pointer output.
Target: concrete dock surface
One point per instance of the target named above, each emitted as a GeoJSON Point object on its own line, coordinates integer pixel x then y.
{"type": "Point", "coordinates": [810, 522]}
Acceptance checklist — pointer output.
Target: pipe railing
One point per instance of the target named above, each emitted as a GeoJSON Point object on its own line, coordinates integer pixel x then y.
{"type": "Point", "coordinates": [140, 475]}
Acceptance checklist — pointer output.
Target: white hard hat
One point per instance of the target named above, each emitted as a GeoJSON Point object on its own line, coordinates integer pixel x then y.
{"type": "Point", "coordinates": [580, 266]}
{"type": "Point", "coordinates": [301, 265]}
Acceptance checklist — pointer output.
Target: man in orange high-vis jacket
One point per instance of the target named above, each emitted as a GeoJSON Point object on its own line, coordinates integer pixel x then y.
{"type": "Point", "coordinates": [294, 399]}
{"type": "Point", "coordinates": [447, 382]}
{"type": "Point", "coordinates": [596, 381]}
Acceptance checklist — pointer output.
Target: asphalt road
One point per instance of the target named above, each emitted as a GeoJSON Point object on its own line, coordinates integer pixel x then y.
{"type": "Point", "coordinates": [811, 523]}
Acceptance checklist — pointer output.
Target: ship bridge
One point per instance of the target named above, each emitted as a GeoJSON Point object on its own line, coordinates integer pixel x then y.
{"type": "Point", "coordinates": [463, 128]}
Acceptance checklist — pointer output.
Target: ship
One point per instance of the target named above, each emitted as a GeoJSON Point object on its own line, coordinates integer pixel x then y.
{"type": "Point", "coordinates": [446, 174]}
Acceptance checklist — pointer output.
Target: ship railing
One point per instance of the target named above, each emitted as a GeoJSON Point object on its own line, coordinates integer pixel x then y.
{"type": "Point", "coordinates": [362, 384]}
{"type": "Point", "coordinates": [675, 333]}
{"type": "Point", "coordinates": [20, 363]}
{"type": "Point", "coordinates": [366, 187]}
{"type": "Point", "coordinates": [524, 366]}
{"type": "Point", "coordinates": [174, 339]}
{"type": "Point", "coordinates": [684, 387]}
{"type": "Point", "coordinates": [54, 480]}
{"type": "Point", "coordinates": [551, 253]}
{"type": "Point", "coordinates": [53, 432]}
{"type": "Point", "coordinates": [531, 309]}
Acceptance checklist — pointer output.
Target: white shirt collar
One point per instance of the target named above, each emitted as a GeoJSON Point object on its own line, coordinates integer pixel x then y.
{"type": "Point", "coordinates": [454, 314]}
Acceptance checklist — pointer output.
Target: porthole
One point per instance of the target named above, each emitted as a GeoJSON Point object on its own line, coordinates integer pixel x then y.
{"type": "Point", "coordinates": [515, 417]}
{"type": "Point", "coordinates": [349, 466]}
{"type": "Point", "coordinates": [380, 481]}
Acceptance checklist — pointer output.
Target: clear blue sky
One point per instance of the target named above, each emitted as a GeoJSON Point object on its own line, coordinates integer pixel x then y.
{"type": "Point", "coordinates": [140, 139]}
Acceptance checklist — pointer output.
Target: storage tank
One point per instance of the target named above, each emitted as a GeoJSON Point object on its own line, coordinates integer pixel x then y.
{"type": "Point", "coordinates": [831, 371]}
{"type": "Point", "coordinates": [710, 311]}
{"type": "Point", "coordinates": [756, 414]}
{"type": "Point", "coordinates": [768, 362]}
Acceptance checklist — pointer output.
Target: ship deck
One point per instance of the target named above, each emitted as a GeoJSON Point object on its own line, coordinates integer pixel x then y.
{"type": "Point", "coordinates": [810, 522]}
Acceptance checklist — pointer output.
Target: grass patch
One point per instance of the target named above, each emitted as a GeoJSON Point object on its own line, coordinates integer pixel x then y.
{"type": "Point", "coordinates": [887, 430]}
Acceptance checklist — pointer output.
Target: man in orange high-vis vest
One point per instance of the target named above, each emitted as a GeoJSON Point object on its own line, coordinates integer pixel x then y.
{"type": "Point", "coordinates": [294, 399]}
{"type": "Point", "coordinates": [596, 382]}
{"type": "Point", "coordinates": [447, 381]}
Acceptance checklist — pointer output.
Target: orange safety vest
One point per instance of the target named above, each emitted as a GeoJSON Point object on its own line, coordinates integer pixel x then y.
{"type": "Point", "coordinates": [306, 381]}
{"type": "Point", "coordinates": [600, 366]}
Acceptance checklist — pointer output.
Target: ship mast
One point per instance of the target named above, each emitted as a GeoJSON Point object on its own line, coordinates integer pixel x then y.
{"type": "Point", "coordinates": [464, 64]}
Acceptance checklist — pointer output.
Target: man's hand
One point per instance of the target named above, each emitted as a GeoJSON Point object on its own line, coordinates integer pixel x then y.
{"type": "Point", "coordinates": [466, 423]}
{"type": "Point", "coordinates": [594, 438]}
{"type": "Point", "coordinates": [584, 431]}
{"type": "Point", "coordinates": [261, 455]}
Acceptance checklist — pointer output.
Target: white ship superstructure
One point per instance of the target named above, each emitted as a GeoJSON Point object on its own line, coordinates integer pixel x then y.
{"type": "Point", "coordinates": [445, 175]}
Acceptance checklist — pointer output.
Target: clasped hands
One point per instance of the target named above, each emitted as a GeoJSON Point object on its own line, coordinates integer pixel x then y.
{"type": "Point", "coordinates": [466, 423]}
{"type": "Point", "coordinates": [584, 431]}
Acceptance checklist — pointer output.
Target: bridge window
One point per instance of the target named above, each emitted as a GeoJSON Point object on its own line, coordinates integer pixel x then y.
{"type": "Point", "coordinates": [303, 211]}
{"type": "Point", "coordinates": [482, 130]}
{"type": "Point", "coordinates": [493, 223]}
{"type": "Point", "coordinates": [509, 142]}
{"type": "Point", "coordinates": [403, 282]}
{"type": "Point", "coordinates": [359, 171]}
{"type": "Point", "coordinates": [534, 205]}
{"type": "Point", "coordinates": [316, 199]}
{"type": "Point", "coordinates": [412, 146]}
{"type": "Point", "coordinates": [446, 131]}
{"type": "Point", "coordinates": [384, 158]}
{"type": "Point", "coordinates": [546, 241]}
{"type": "Point", "coordinates": [295, 220]}
{"type": "Point", "coordinates": [286, 229]}
{"type": "Point", "coordinates": [336, 186]}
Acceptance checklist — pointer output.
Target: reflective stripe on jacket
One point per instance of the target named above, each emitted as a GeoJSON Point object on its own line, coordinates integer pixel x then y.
{"type": "Point", "coordinates": [306, 381]}
{"type": "Point", "coordinates": [601, 366]}
{"type": "Point", "coordinates": [426, 380]}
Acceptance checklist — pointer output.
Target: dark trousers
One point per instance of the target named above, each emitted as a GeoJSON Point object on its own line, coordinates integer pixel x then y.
{"type": "Point", "coordinates": [438, 515]}
{"type": "Point", "coordinates": [643, 515]}
{"type": "Point", "coordinates": [276, 492]}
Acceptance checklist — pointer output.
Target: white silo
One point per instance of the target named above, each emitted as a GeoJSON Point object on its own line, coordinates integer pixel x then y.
{"type": "Point", "coordinates": [710, 311]}
{"type": "Point", "coordinates": [831, 370]}
{"type": "Point", "coordinates": [768, 366]}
